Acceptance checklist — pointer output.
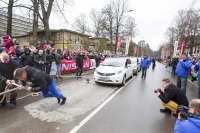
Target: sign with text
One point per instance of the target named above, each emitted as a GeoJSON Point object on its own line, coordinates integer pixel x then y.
{"type": "Point", "coordinates": [68, 66]}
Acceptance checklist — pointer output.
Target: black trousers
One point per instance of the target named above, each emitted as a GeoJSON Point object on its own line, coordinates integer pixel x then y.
{"type": "Point", "coordinates": [13, 95]}
{"type": "Point", "coordinates": [79, 70]}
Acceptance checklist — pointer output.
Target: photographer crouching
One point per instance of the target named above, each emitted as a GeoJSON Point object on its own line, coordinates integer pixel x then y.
{"type": "Point", "coordinates": [188, 122]}
{"type": "Point", "coordinates": [171, 97]}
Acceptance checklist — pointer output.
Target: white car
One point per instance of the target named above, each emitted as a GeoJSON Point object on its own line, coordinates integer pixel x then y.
{"type": "Point", "coordinates": [114, 71]}
{"type": "Point", "coordinates": [135, 63]}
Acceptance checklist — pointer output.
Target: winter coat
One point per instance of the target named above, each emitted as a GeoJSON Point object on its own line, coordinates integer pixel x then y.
{"type": "Point", "coordinates": [183, 68]}
{"type": "Point", "coordinates": [38, 78]}
{"type": "Point", "coordinates": [79, 61]}
{"type": "Point", "coordinates": [6, 72]}
{"type": "Point", "coordinates": [192, 125]}
{"type": "Point", "coordinates": [38, 58]}
{"type": "Point", "coordinates": [173, 93]}
{"type": "Point", "coordinates": [145, 63]}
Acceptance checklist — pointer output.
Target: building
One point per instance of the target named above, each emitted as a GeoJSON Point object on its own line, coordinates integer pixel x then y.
{"type": "Point", "coordinates": [20, 25]}
{"type": "Point", "coordinates": [62, 38]}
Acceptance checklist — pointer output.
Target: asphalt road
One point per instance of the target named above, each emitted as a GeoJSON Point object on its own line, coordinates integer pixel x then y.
{"type": "Point", "coordinates": [135, 109]}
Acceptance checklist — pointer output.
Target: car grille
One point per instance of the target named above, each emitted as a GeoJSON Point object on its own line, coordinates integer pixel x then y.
{"type": "Point", "coordinates": [105, 80]}
{"type": "Point", "coordinates": [106, 74]}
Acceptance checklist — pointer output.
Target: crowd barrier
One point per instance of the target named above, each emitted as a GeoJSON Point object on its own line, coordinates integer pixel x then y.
{"type": "Point", "coordinates": [69, 66]}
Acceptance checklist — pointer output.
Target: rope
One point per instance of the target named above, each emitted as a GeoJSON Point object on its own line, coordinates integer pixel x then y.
{"type": "Point", "coordinates": [14, 89]}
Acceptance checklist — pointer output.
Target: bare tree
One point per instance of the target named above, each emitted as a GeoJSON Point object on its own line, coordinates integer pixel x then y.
{"type": "Point", "coordinates": [96, 18]}
{"type": "Point", "coordinates": [80, 24]}
{"type": "Point", "coordinates": [130, 27]}
{"type": "Point", "coordinates": [120, 8]}
{"type": "Point", "coordinates": [35, 21]}
{"type": "Point", "coordinates": [108, 23]}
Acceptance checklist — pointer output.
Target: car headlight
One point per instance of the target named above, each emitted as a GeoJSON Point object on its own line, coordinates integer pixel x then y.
{"type": "Point", "coordinates": [118, 71]}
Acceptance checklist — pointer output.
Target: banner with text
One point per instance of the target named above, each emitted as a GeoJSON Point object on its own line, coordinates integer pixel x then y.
{"type": "Point", "coordinates": [68, 66]}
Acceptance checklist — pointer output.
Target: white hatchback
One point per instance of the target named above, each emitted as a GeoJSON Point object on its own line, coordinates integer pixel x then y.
{"type": "Point", "coordinates": [114, 71]}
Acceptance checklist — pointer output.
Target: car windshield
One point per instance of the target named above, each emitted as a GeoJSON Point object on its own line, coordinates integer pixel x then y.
{"type": "Point", "coordinates": [116, 62]}
{"type": "Point", "coordinates": [133, 61]}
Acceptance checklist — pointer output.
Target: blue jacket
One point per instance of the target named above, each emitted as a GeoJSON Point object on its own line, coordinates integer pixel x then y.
{"type": "Point", "coordinates": [192, 125]}
{"type": "Point", "coordinates": [183, 68]}
{"type": "Point", "coordinates": [196, 68]}
{"type": "Point", "coordinates": [145, 63]}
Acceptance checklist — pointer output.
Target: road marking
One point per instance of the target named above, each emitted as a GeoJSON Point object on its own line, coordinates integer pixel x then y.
{"type": "Point", "coordinates": [75, 129]}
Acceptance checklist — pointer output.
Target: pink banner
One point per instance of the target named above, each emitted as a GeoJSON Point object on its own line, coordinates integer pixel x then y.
{"type": "Point", "coordinates": [68, 66]}
{"type": "Point", "coordinates": [118, 44]}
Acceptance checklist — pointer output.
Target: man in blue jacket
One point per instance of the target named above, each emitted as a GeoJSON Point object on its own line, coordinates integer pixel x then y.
{"type": "Point", "coordinates": [197, 69]}
{"type": "Point", "coordinates": [192, 124]}
{"type": "Point", "coordinates": [182, 72]}
{"type": "Point", "coordinates": [144, 66]}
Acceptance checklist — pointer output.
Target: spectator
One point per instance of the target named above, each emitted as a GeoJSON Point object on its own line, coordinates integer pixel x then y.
{"type": "Point", "coordinates": [7, 67]}
{"type": "Point", "coordinates": [79, 65]}
{"type": "Point", "coordinates": [97, 59]}
{"type": "Point", "coordinates": [57, 58]}
{"type": "Point", "coordinates": [171, 97]}
{"type": "Point", "coordinates": [192, 124]}
{"type": "Point", "coordinates": [27, 58]}
{"type": "Point", "coordinates": [40, 60]}
{"type": "Point", "coordinates": [144, 66]}
{"type": "Point", "coordinates": [174, 64]}
{"type": "Point", "coordinates": [182, 72]}
{"type": "Point", "coordinates": [197, 69]}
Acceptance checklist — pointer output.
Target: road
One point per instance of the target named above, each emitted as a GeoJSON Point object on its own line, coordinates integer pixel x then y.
{"type": "Point", "coordinates": [133, 108]}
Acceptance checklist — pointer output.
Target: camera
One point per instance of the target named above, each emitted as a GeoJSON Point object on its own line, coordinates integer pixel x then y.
{"type": "Point", "coordinates": [183, 110]}
{"type": "Point", "coordinates": [159, 90]}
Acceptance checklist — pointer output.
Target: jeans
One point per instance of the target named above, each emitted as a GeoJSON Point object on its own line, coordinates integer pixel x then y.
{"type": "Point", "coordinates": [182, 83]}
{"type": "Point", "coordinates": [144, 72]}
{"type": "Point", "coordinates": [199, 88]}
{"type": "Point", "coordinates": [51, 91]}
{"type": "Point", "coordinates": [174, 70]}
{"type": "Point", "coordinates": [58, 70]}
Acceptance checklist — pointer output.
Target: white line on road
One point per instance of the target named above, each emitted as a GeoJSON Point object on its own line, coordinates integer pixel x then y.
{"type": "Point", "coordinates": [75, 129]}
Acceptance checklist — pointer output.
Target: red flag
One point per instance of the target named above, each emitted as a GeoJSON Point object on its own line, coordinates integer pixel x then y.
{"type": "Point", "coordinates": [182, 45]}
{"type": "Point", "coordinates": [118, 44]}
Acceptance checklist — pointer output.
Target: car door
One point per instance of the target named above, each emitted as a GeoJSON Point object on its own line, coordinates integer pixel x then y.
{"type": "Point", "coordinates": [129, 68]}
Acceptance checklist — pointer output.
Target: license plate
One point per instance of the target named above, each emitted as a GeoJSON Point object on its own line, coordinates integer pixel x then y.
{"type": "Point", "coordinates": [104, 78]}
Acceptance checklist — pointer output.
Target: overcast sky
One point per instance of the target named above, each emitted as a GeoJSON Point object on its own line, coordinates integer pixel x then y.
{"type": "Point", "coordinates": [152, 17]}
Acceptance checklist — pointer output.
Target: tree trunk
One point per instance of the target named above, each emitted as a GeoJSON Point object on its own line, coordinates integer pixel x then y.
{"type": "Point", "coordinates": [35, 22]}
{"type": "Point", "coordinates": [9, 18]}
{"type": "Point", "coordinates": [45, 19]}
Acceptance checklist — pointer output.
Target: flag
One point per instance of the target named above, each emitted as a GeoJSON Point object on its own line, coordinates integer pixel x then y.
{"type": "Point", "coordinates": [127, 46]}
{"type": "Point", "coordinates": [134, 50]}
{"type": "Point", "coordinates": [175, 47]}
{"type": "Point", "coordinates": [117, 45]}
{"type": "Point", "coordinates": [181, 48]}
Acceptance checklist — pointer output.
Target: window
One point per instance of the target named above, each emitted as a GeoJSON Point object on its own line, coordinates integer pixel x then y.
{"type": "Point", "coordinates": [69, 37]}
{"type": "Point", "coordinates": [77, 38]}
{"type": "Point", "coordinates": [58, 36]}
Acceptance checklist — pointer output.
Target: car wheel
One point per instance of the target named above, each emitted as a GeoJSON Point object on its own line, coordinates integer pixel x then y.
{"type": "Point", "coordinates": [123, 81]}
{"type": "Point", "coordinates": [96, 82]}
{"type": "Point", "coordinates": [136, 73]}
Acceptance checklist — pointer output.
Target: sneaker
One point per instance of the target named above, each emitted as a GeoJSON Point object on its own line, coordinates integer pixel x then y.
{"type": "Point", "coordinates": [58, 100]}
{"type": "Point", "coordinates": [60, 77]}
{"type": "Point", "coordinates": [165, 110]}
{"type": "Point", "coordinates": [63, 101]}
{"type": "Point", "coordinates": [12, 106]}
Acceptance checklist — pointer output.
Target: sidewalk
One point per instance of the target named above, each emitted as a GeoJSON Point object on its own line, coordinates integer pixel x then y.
{"type": "Point", "coordinates": [194, 84]}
